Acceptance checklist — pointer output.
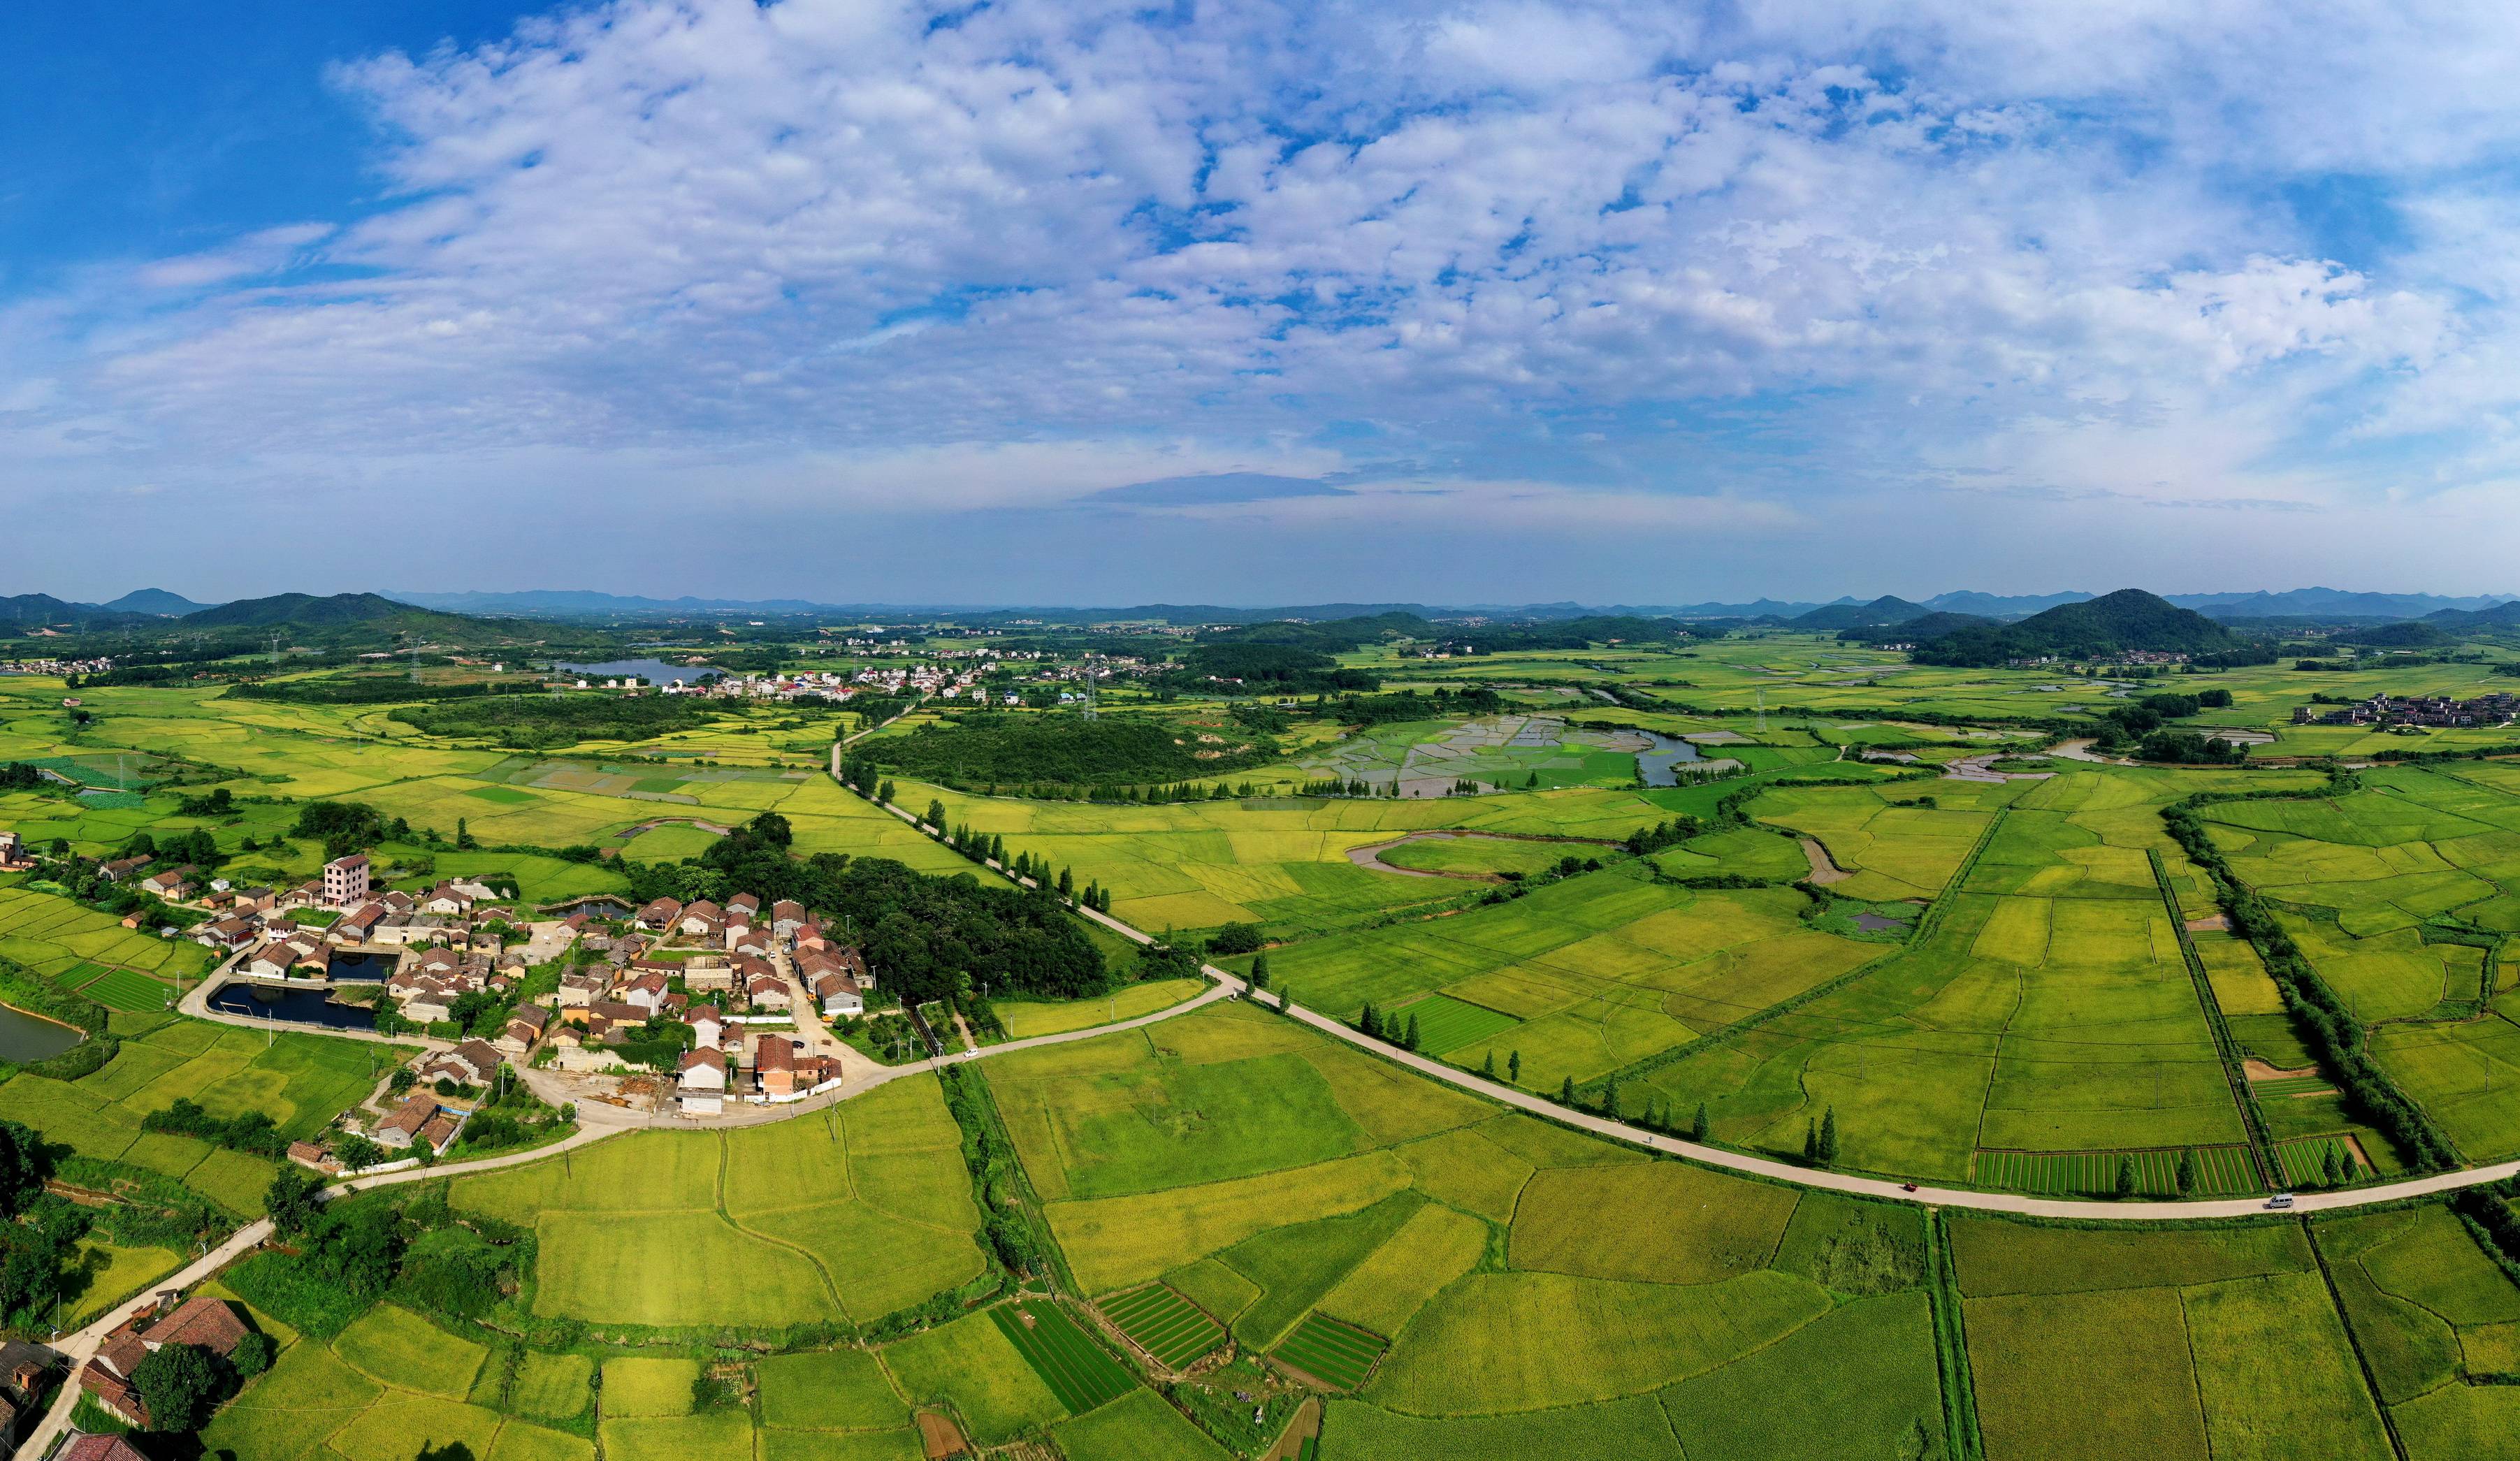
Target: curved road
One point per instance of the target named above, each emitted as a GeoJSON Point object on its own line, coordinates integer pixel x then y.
{"type": "Point", "coordinates": [598, 1122]}
{"type": "Point", "coordinates": [1230, 985]}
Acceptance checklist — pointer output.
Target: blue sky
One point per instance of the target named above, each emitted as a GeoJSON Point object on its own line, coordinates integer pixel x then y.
{"type": "Point", "coordinates": [1603, 301]}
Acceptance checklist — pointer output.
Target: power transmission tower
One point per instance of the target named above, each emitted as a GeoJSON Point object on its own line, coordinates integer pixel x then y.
{"type": "Point", "coordinates": [1763, 712]}
{"type": "Point", "coordinates": [275, 646]}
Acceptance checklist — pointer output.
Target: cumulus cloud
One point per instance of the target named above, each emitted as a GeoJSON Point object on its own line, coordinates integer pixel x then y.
{"type": "Point", "coordinates": [1679, 267]}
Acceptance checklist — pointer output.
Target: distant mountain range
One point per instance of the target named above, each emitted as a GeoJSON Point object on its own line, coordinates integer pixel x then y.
{"type": "Point", "coordinates": [147, 606]}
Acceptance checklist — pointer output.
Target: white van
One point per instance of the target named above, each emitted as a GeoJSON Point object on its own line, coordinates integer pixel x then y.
{"type": "Point", "coordinates": [2279, 1201]}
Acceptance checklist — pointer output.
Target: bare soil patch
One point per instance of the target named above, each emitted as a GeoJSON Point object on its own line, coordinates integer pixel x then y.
{"type": "Point", "coordinates": [939, 1437]}
{"type": "Point", "coordinates": [1824, 869]}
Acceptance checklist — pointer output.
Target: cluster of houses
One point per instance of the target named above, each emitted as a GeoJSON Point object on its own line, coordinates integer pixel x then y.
{"type": "Point", "coordinates": [446, 945]}
{"type": "Point", "coordinates": [2385, 710]}
{"type": "Point", "coordinates": [55, 666]}
{"type": "Point", "coordinates": [718, 972]}
{"type": "Point", "coordinates": [13, 853]}
{"type": "Point", "coordinates": [203, 1321]}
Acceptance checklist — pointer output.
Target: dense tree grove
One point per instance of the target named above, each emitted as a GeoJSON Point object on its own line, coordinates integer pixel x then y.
{"type": "Point", "coordinates": [548, 722]}
{"type": "Point", "coordinates": [994, 748]}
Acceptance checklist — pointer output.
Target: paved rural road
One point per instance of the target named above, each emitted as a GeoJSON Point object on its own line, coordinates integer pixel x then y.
{"type": "Point", "coordinates": [1228, 986]}
{"type": "Point", "coordinates": [78, 1349]}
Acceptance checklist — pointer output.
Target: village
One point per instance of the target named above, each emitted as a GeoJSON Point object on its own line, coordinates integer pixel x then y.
{"type": "Point", "coordinates": [2438, 712]}
{"type": "Point", "coordinates": [696, 1004]}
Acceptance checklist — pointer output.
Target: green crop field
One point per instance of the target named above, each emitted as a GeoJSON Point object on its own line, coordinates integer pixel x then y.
{"type": "Point", "coordinates": [1165, 1325]}
{"type": "Point", "coordinates": [1252, 1205]}
{"type": "Point", "coordinates": [1078, 1370]}
{"type": "Point", "coordinates": [856, 1212]}
{"type": "Point", "coordinates": [122, 988]}
{"type": "Point", "coordinates": [1445, 1023]}
{"type": "Point", "coordinates": [2220, 1171]}
{"type": "Point", "coordinates": [1328, 1350]}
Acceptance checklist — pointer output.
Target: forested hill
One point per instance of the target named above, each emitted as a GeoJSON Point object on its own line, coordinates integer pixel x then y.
{"type": "Point", "coordinates": [2128, 619]}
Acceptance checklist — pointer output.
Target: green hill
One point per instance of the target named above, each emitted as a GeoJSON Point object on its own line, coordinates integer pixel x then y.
{"type": "Point", "coordinates": [1887, 609]}
{"type": "Point", "coordinates": [2128, 619]}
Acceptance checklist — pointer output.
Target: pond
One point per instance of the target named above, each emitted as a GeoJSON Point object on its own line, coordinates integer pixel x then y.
{"type": "Point", "coordinates": [26, 1038]}
{"type": "Point", "coordinates": [654, 671]}
{"type": "Point", "coordinates": [1877, 923]}
{"type": "Point", "coordinates": [364, 968]}
{"type": "Point", "coordinates": [291, 1006]}
{"type": "Point", "coordinates": [1656, 766]}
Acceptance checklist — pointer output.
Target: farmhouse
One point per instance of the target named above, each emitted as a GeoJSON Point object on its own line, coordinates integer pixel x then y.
{"type": "Point", "coordinates": [524, 1030]}
{"type": "Point", "coordinates": [209, 1323]}
{"type": "Point", "coordinates": [407, 1122]}
{"type": "Point", "coordinates": [701, 1075]}
{"type": "Point", "coordinates": [472, 1063]}
{"type": "Point", "coordinates": [660, 916]}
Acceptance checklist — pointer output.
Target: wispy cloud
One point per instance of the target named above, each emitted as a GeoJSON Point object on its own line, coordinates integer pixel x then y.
{"type": "Point", "coordinates": [1621, 270]}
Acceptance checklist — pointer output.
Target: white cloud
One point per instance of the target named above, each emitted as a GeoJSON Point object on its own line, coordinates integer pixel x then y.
{"type": "Point", "coordinates": [862, 251]}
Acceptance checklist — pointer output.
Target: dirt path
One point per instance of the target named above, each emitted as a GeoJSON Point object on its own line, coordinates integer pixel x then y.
{"type": "Point", "coordinates": [1372, 857]}
{"type": "Point", "coordinates": [672, 821]}
{"type": "Point", "coordinates": [1824, 869]}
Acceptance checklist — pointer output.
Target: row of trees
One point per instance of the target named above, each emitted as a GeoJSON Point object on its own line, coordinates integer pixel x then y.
{"type": "Point", "coordinates": [2327, 1025]}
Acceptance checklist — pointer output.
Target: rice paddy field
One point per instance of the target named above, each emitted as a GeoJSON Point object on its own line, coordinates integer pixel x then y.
{"type": "Point", "coordinates": [1447, 1279]}
{"type": "Point", "coordinates": [2042, 1009]}
{"type": "Point", "coordinates": [2400, 893]}
{"type": "Point", "coordinates": [300, 1080]}
{"type": "Point", "coordinates": [846, 1216]}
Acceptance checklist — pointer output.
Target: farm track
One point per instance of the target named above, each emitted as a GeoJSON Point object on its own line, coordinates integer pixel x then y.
{"type": "Point", "coordinates": [600, 1123]}
{"type": "Point", "coordinates": [1228, 986]}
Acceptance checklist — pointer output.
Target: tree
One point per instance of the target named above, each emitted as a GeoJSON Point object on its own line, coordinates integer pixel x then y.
{"type": "Point", "coordinates": [252, 1355]}
{"type": "Point", "coordinates": [1366, 1021]}
{"type": "Point", "coordinates": [937, 813]}
{"type": "Point", "coordinates": [292, 1200]}
{"type": "Point", "coordinates": [23, 1168]}
{"type": "Point", "coordinates": [1699, 1127]}
{"type": "Point", "coordinates": [2184, 1178]}
{"type": "Point", "coordinates": [2125, 1176]}
{"type": "Point", "coordinates": [884, 793]}
{"type": "Point", "coordinates": [1566, 1091]}
{"type": "Point", "coordinates": [2329, 1169]}
{"type": "Point", "coordinates": [179, 1384]}
{"type": "Point", "coordinates": [1259, 971]}
{"type": "Point", "coordinates": [1067, 883]}
{"type": "Point", "coordinates": [1487, 1067]}
{"type": "Point", "coordinates": [1409, 1040]}
{"type": "Point", "coordinates": [1828, 1137]}
{"type": "Point", "coordinates": [1610, 1103]}
{"type": "Point", "coordinates": [463, 836]}
{"type": "Point", "coordinates": [357, 1153]}
{"type": "Point", "coordinates": [1811, 1141]}
{"type": "Point", "coordinates": [1513, 1069]}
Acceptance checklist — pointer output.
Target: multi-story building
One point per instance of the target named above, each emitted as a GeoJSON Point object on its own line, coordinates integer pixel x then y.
{"type": "Point", "coordinates": [346, 881]}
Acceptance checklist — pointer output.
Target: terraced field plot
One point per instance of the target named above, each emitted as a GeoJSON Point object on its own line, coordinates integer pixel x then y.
{"type": "Point", "coordinates": [2221, 1172]}
{"type": "Point", "coordinates": [854, 1213]}
{"type": "Point", "coordinates": [54, 935]}
{"type": "Point", "coordinates": [2393, 892]}
{"type": "Point", "coordinates": [2046, 1007]}
{"type": "Point", "coordinates": [126, 989]}
{"type": "Point", "coordinates": [1281, 862]}
{"type": "Point", "coordinates": [1603, 970]}
{"type": "Point", "coordinates": [1330, 1351]}
{"type": "Point", "coordinates": [300, 1080]}
{"type": "Point", "coordinates": [2167, 1335]}
{"type": "Point", "coordinates": [1159, 1320]}
{"type": "Point", "coordinates": [1078, 1370]}
{"type": "Point", "coordinates": [1445, 1023]}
